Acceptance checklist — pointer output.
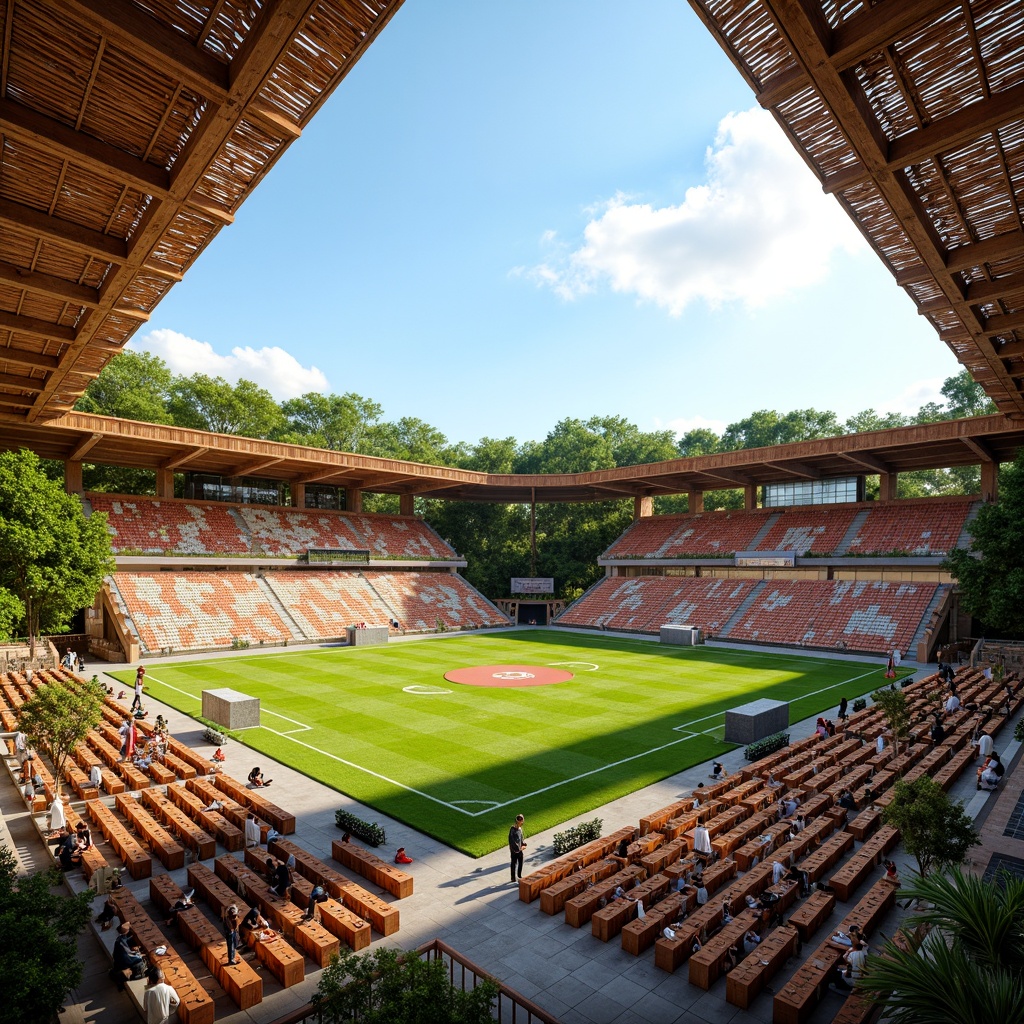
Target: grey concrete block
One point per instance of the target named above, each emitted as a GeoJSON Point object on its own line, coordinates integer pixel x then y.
{"type": "Point", "coordinates": [756, 720]}
{"type": "Point", "coordinates": [231, 709]}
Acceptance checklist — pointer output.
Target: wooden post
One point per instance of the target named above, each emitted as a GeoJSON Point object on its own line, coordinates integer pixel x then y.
{"type": "Point", "coordinates": [407, 504]}
{"type": "Point", "coordinates": [990, 481]}
{"type": "Point", "coordinates": [73, 478]}
{"type": "Point", "coordinates": [298, 493]}
{"type": "Point", "coordinates": [749, 496]}
{"type": "Point", "coordinates": [165, 483]}
{"type": "Point", "coordinates": [643, 506]}
{"type": "Point", "coordinates": [533, 531]}
{"type": "Point", "coordinates": [353, 499]}
{"type": "Point", "coordinates": [887, 486]}
{"type": "Point", "coordinates": [695, 501]}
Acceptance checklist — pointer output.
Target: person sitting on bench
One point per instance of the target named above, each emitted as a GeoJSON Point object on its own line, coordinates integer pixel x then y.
{"type": "Point", "coordinates": [256, 779]}
{"type": "Point", "coordinates": [401, 857]}
{"type": "Point", "coordinates": [317, 895]}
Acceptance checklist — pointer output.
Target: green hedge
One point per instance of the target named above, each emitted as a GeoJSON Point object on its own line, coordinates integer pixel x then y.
{"type": "Point", "coordinates": [365, 830]}
{"type": "Point", "coordinates": [576, 836]}
{"type": "Point", "coordinates": [766, 746]}
{"type": "Point", "coordinates": [860, 704]}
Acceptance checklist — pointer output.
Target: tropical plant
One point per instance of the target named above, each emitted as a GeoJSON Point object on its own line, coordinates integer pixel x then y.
{"type": "Point", "coordinates": [973, 970]}
{"type": "Point", "coordinates": [893, 704]}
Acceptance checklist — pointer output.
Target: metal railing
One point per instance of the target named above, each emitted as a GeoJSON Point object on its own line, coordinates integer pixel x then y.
{"type": "Point", "coordinates": [510, 1008]}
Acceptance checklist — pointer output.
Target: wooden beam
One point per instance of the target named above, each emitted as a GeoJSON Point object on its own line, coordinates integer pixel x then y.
{"type": "Point", "coordinates": [874, 28]}
{"type": "Point", "coordinates": [273, 121]}
{"type": "Point", "coordinates": [782, 87]}
{"type": "Point", "coordinates": [84, 446]}
{"type": "Point", "coordinates": [950, 132]}
{"type": "Point", "coordinates": [132, 29]}
{"type": "Point", "coordinates": [179, 460]}
{"type": "Point", "coordinates": [989, 250]}
{"type": "Point", "coordinates": [320, 475]}
{"type": "Point", "coordinates": [30, 221]}
{"type": "Point", "coordinates": [37, 328]}
{"type": "Point", "coordinates": [1010, 350]}
{"type": "Point", "coordinates": [21, 357]}
{"type": "Point", "coordinates": [14, 380]}
{"type": "Point", "coordinates": [46, 284]}
{"type": "Point", "coordinates": [247, 469]}
{"type": "Point", "coordinates": [867, 461]}
{"type": "Point", "coordinates": [1002, 324]}
{"type": "Point", "coordinates": [730, 476]}
{"type": "Point", "coordinates": [211, 212]}
{"type": "Point", "coordinates": [57, 138]}
{"type": "Point", "coordinates": [980, 449]}
{"type": "Point", "coordinates": [800, 469]}
{"type": "Point", "coordinates": [17, 401]}
{"type": "Point", "coordinates": [1000, 288]}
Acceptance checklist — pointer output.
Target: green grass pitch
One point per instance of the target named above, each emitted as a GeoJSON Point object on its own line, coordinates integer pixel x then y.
{"type": "Point", "coordinates": [459, 765]}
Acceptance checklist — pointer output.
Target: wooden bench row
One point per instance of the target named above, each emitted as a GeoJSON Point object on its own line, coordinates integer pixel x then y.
{"type": "Point", "coordinates": [370, 866]}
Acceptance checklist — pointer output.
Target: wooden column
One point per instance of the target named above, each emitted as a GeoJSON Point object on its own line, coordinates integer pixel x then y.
{"type": "Point", "coordinates": [643, 506]}
{"type": "Point", "coordinates": [990, 481]}
{"type": "Point", "coordinates": [887, 486]}
{"type": "Point", "coordinates": [695, 501]}
{"type": "Point", "coordinates": [298, 493]}
{"type": "Point", "coordinates": [73, 478]}
{"type": "Point", "coordinates": [749, 496]}
{"type": "Point", "coordinates": [353, 499]}
{"type": "Point", "coordinates": [407, 504]}
{"type": "Point", "coordinates": [165, 483]}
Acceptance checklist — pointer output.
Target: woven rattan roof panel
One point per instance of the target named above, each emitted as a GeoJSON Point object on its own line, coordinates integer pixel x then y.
{"type": "Point", "coordinates": [130, 133]}
{"type": "Point", "coordinates": [911, 112]}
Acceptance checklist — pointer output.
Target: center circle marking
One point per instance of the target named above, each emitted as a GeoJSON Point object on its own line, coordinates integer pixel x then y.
{"type": "Point", "coordinates": [508, 675]}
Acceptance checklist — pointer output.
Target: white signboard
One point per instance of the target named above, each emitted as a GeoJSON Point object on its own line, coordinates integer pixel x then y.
{"type": "Point", "coordinates": [537, 585]}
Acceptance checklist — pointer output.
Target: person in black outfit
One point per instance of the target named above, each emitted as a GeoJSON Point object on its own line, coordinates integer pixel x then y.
{"type": "Point", "coordinates": [127, 956]}
{"type": "Point", "coordinates": [282, 879]}
{"type": "Point", "coordinates": [516, 845]}
{"type": "Point", "coordinates": [68, 852]}
{"type": "Point", "coordinates": [841, 714]}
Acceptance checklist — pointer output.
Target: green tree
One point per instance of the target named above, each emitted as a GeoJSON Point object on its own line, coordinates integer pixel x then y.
{"type": "Point", "coordinates": [39, 962]}
{"type": "Point", "coordinates": [863, 422]}
{"type": "Point", "coordinates": [966, 397]}
{"type": "Point", "coordinates": [58, 717]}
{"type": "Point", "coordinates": [935, 830]}
{"type": "Point", "coordinates": [12, 612]}
{"type": "Point", "coordinates": [974, 970]}
{"type": "Point", "coordinates": [893, 703]}
{"type": "Point", "coordinates": [991, 572]}
{"type": "Point", "coordinates": [211, 403]}
{"type": "Point", "coordinates": [386, 986]}
{"type": "Point", "coordinates": [52, 558]}
{"type": "Point", "coordinates": [132, 386]}
{"type": "Point", "coordinates": [337, 423]}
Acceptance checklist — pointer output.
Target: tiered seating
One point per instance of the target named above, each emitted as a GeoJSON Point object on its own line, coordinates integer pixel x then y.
{"type": "Point", "coordinates": [930, 527]}
{"type": "Point", "coordinates": [815, 528]}
{"type": "Point", "coordinates": [420, 600]}
{"type": "Point", "coordinates": [324, 604]}
{"type": "Point", "coordinates": [197, 610]}
{"type": "Point", "coordinates": [645, 603]}
{"type": "Point", "coordinates": [825, 613]}
{"type": "Point", "coordinates": [284, 532]}
{"type": "Point", "coordinates": [690, 536]}
{"type": "Point", "coordinates": [401, 537]}
{"type": "Point", "coordinates": [145, 526]}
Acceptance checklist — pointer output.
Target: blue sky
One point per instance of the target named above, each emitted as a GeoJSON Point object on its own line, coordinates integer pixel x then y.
{"type": "Point", "coordinates": [512, 213]}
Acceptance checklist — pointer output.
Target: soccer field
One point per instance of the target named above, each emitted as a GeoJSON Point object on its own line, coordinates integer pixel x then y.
{"type": "Point", "coordinates": [384, 726]}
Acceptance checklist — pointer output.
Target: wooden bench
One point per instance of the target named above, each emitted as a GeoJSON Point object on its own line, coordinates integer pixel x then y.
{"type": "Point", "coordinates": [653, 822]}
{"type": "Point", "coordinates": [334, 916]}
{"type": "Point", "coordinates": [849, 877]}
{"type": "Point", "coordinates": [609, 920]}
{"type": "Point", "coordinates": [812, 913]}
{"type": "Point", "coordinates": [161, 776]}
{"type": "Point", "coordinates": [370, 866]}
{"type": "Point", "coordinates": [533, 884]}
{"type": "Point", "coordinates": [202, 765]}
{"type": "Point", "coordinates": [580, 909]}
{"type": "Point", "coordinates": [556, 895]}
{"type": "Point", "coordinates": [79, 782]}
{"type": "Point", "coordinates": [283, 821]}
{"type": "Point", "coordinates": [641, 933]}
{"type": "Point", "coordinates": [138, 862]}
{"type": "Point", "coordinates": [664, 855]}
{"type": "Point", "coordinates": [826, 856]}
{"type": "Point", "coordinates": [92, 859]}
{"type": "Point", "coordinates": [134, 778]}
{"type": "Point", "coordinates": [213, 822]}
{"type": "Point", "coordinates": [201, 843]}
{"type": "Point", "coordinates": [242, 984]}
{"type": "Point", "coordinates": [872, 908]}
{"type": "Point", "coordinates": [864, 824]}
{"type": "Point", "coordinates": [708, 963]}
{"type": "Point", "coordinates": [384, 917]}
{"type": "Point", "coordinates": [669, 954]}
{"type": "Point", "coordinates": [156, 837]}
{"type": "Point", "coordinates": [750, 975]}
{"type": "Point", "coordinates": [234, 812]}
{"type": "Point", "coordinates": [196, 1006]}
{"type": "Point", "coordinates": [286, 918]}
{"type": "Point", "coordinates": [751, 853]}
{"type": "Point", "coordinates": [178, 766]}
{"type": "Point", "coordinates": [796, 1000]}
{"type": "Point", "coordinates": [946, 776]}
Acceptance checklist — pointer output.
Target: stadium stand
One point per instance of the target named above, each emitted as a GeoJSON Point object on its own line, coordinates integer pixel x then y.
{"type": "Point", "coordinates": [645, 603]}
{"type": "Point", "coordinates": [816, 528]}
{"type": "Point", "coordinates": [422, 600]}
{"type": "Point", "coordinates": [325, 604]}
{"type": "Point", "coordinates": [931, 527]}
{"type": "Point", "coordinates": [145, 526]}
{"type": "Point", "coordinates": [689, 536]}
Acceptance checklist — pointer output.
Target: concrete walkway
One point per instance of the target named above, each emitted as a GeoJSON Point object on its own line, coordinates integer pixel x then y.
{"type": "Point", "coordinates": [470, 904]}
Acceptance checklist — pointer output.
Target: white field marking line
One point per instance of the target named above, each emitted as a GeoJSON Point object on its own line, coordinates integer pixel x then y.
{"type": "Point", "coordinates": [376, 775]}
{"type": "Point", "coordinates": [591, 667]}
{"type": "Point", "coordinates": [301, 726]}
{"type": "Point", "coordinates": [175, 688]}
{"type": "Point", "coordinates": [489, 803]}
{"type": "Point", "coordinates": [424, 691]}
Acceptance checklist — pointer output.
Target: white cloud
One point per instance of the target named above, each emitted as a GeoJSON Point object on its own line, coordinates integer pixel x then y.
{"type": "Point", "coordinates": [271, 367]}
{"type": "Point", "coordinates": [758, 228]}
{"type": "Point", "coordinates": [684, 424]}
{"type": "Point", "coordinates": [914, 395]}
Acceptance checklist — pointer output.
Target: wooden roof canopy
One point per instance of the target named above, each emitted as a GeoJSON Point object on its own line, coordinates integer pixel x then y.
{"type": "Point", "coordinates": [80, 437]}
{"type": "Point", "coordinates": [130, 133]}
{"type": "Point", "coordinates": [911, 112]}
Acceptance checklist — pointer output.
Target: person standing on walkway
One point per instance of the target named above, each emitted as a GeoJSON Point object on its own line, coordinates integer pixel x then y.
{"type": "Point", "coordinates": [160, 1000]}
{"type": "Point", "coordinates": [231, 932]}
{"type": "Point", "coordinates": [140, 678]}
{"type": "Point", "coordinates": [516, 845]}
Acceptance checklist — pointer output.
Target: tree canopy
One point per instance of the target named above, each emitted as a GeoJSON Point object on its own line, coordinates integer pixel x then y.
{"type": "Point", "coordinates": [52, 558]}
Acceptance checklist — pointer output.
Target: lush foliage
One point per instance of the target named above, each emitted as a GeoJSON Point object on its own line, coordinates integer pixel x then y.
{"type": "Point", "coordinates": [893, 704]}
{"type": "Point", "coordinates": [766, 746]}
{"type": "Point", "coordinates": [386, 986]}
{"type": "Point", "coordinates": [991, 573]}
{"type": "Point", "coordinates": [39, 962]}
{"type": "Point", "coordinates": [365, 830]}
{"type": "Point", "coordinates": [58, 717]}
{"type": "Point", "coordinates": [859, 704]}
{"type": "Point", "coordinates": [974, 970]}
{"type": "Point", "coordinates": [935, 830]}
{"type": "Point", "coordinates": [52, 559]}
{"type": "Point", "coordinates": [573, 838]}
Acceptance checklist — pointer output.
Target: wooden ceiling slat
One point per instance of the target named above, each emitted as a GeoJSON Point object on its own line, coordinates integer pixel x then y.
{"type": "Point", "coordinates": [38, 328]}
{"type": "Point", "coordinates": [63, 232]}
{"type": "Point", "coordinates": [22, 357]}
{"type": "Point", "coordinates": [47, 284]}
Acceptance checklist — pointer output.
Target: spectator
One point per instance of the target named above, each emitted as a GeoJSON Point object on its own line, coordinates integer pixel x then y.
{"type": "Point", "coordinates": [127, 956]}
{"type": "Point", "coordinates": [256, 779]}
{"type": "Point", "coordinates": [160, 1000]}
{"type": "Point", "coordinates": [401, 857]}
{"type": "Point", "coordinates": [317, 896]}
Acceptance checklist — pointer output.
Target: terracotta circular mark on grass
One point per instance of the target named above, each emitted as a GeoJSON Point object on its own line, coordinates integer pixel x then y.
{"type": "Point", "coordinates": [508, 675]}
